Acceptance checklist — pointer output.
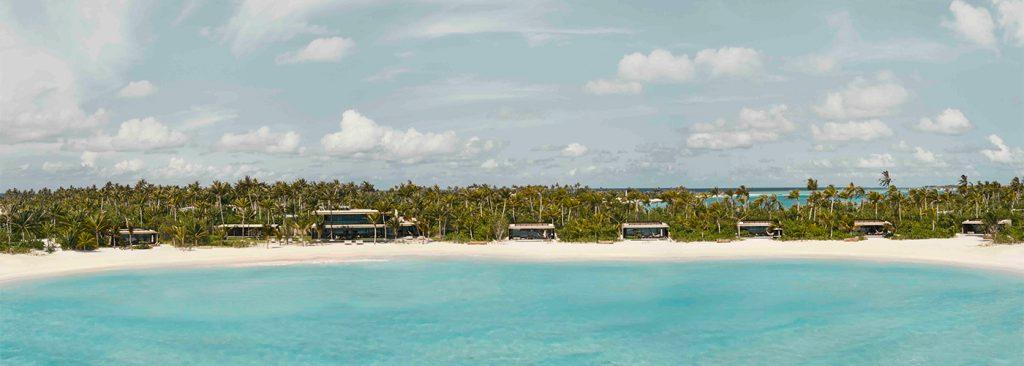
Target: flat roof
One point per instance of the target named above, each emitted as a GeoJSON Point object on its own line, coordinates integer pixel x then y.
{"type": "Point", "coordinates": [1005, 222]}
{"type": "Point", "coordinates": [532, 225]}
{"type": "Point", "coordinates": [352, 226]}
{"type": "Point", "coordinates": [973, 222]}
{"type": "Point", "coordinates": [351, 211]}
{"type": "Point", "coordinates": [644, 225]}
{"type": "Point", "coordinates": [137, 231]}
{"type": "Point", "coordinates": [233, 226]}
{"type": "Point", "coordinates": [754, 223]}
{"type": "Point", "coordinates": [870, 223]}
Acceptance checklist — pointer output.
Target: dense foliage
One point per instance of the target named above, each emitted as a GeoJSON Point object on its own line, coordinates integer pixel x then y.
{"type": "Point", "coordinates": [87, 218]}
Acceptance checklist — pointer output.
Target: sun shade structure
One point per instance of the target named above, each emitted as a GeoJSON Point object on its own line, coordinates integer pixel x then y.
{"type": "Point", "coordinates": [872, 227]}
{"type": "Point", "coordinates": [138, 236]}
{"type": "Point", "coordinates": [246, 230]}
{"type": "Point", "coordinates": [532, 231]}
{"type": "Point", "coordinates": [758, 228]}
{"type": "Point", "coordinates": [978, 227]}
{"type": "Point", "coordinates": [643, 230]}
{"type": "Point", "coordinates": [351, 224]}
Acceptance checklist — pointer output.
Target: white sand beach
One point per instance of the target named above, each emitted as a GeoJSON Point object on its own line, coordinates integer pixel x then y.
{"type": "Point", "coordinates": [960, 251]}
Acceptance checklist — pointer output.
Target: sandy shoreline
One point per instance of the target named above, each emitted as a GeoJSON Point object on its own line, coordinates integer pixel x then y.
{"type": "Point", "coordinates": [961, 251]}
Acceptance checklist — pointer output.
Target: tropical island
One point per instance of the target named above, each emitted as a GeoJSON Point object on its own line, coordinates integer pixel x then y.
{"type": "Point", "coordinates": [259, 215]}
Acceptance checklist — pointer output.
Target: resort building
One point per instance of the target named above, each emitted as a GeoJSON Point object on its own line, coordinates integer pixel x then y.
{"type": "Point", "coordinates": [246, 230]}
{"type": "Point", "coordinates": [407, 228]}
{"type": "Point", "coordinates": [978, 227]}
{"type": "Point", "coordinates": [351, 224]}
{"type": "Point", "coordinates": [872, 227]}
{"type": "Point", "coordinates": [758, 228]}
{"type": "Point", "coordinates": [137, 236]}
{"type": "Point", "coordinates": [532, 231]}
{"type": "Point", "coordinates": [643, 230]}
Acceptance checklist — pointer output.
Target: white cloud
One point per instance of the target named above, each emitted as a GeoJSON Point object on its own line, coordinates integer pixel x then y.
{"type": "Point", "coordinates": [730, 61]}
{"type": "Point", "coordinates": [319, 50]}
{"type": "Point", "coordinates": [88, 159]}
{"type": "Point", "coordinates": [753, 126]}
{"type": "Point", "coordinates": [128, 166]}
{"type": "Point", "coordinates": [1002, 153]}
{"type": "Point", "coordinates": [202, 116]}
{"type": "Point", "coordinates": [851, 131]}
{"type": "Point", "coordinates": [972, 23]}
{"type": "Point", "coordinates": [1011, 18]}
{"type": "Point", "coordinates": [489, 164]}
{"type": "Point", "coordinates": [926, 157]}
{"type": "Point", "coordinates": [39, 95]}
{"type": "Point", "coordinates": [659, 65]}
{"type": "Point", "coordinates": [862, 98]}
{"type": "Point", "coordinates": [574, 149]}
{"type": "Point", "coordinates": [53, 167]}
{"type": "Point", "coordinates": [949, 122]}
{"type": "Point", "coordinates": [605, 87]}
{"type": "Point", "coordinates": [137, 89]}
{"type": "Point", "coordinates": [876, 161]}
{"type": "Point", "coordinates": [260, 22]}
{"type": "Point", "coordinates": [361, 137]}
{"type": "Point", "coordinates": [260, 140]}
{"type": "Point", "coordinates": [388, 74]}
{"type": "Point", "coordinates": [133, 135]}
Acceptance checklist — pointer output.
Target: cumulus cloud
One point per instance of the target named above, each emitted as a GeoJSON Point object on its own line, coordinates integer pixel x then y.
{"type": "Point", "coordinates": [851, 131]}
{"type": "Point", "coordinates": [949, 122]}
{"type": "Point", "coordinates": [128, 166]}
{"type": "Point", "coordinates": [133, 135]}
{"type": "Point", "coordinates": [88, 159]}
{"type": "Point", "coordinates": [260, 140]}
{"type": "Point", "coordinates": [730, 61]}
{"type": "Point", "coordinates": [361, 137]}
{"type": "Point", "coordinates": [1002, 153]}
{"type": "Point", "coordinates": [1011, 19]}
{"type": "Point", "coordinates": [753, 126]}
{"type": "Point", "coordinates": [605, 87]}
{"type": "Point", "coordinates": [863, 98]}
{"type": "Point", "coordinates": [137, 89]}
{"type": "Point", "coordinates": [55, 166]}
{"type": "Point", "coordinates": [39, 93]}
{"type": "Point", "coordinates": [659, 65]}
{"type": "Point", "coordinates": [973, 24]}
{"type": "Point", "coordinates": [319, 50]}
{"type": "Point", "coordinates": [574, 150]}
{"type": "Point", "coordinates": [876, 161]}
{"type": "Point", "coordinates": [489, 164]}
{"type": "Point", "coordinates": [927, 157]}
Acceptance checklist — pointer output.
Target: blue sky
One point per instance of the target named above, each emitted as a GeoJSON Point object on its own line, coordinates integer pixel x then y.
{"type": "Point", "coordinates": [640, 94]}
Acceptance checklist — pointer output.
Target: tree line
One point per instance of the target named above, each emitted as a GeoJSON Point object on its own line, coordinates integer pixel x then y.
{"type": "Point", "coordinates": [86, 218]}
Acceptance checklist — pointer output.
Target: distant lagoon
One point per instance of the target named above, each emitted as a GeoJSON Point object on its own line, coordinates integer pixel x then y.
{"type": "Point", "coordinates": [481, 312]}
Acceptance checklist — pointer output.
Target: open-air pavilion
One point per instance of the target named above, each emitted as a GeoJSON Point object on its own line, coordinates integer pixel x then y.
{"type": "Point", "coordinates": [872, 227]}
{"type": "Point", "coordinates": [643, 230]}
{"type": "Point", "coordinates": [136, 236]}
{"type": "Point", "coordinates": [532, 231]}
{"type": "Point", "coordinates": [758, 229]}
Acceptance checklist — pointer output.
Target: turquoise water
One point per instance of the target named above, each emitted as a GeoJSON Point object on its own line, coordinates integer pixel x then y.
{"type": "Point", "coordinates": [478, 313]}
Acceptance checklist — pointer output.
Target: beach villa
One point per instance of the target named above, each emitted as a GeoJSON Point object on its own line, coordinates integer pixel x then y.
{"type": "Point", "coordinates": [643, 230]}
{"type": "Point", "coordinates": [758, 229]}
{"type": "Point", "coordinates": [245, 230]}
{"type": "Point", "coordinates": [532, 231]}
{"type": "Point", "coordinates": [407, 228]}
{"type": "Point", "coordinates": [978, 227]}
{"type": "Point", "coordinates": [351, 224]}
{"type": "Point", "coordinates": [137, 236]}
{"type": "Point", "coordinates": [872, 227]}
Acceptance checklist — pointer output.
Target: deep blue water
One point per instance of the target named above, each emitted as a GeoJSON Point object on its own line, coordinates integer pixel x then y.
{"type": "Point", "coordinates": [480, 313]}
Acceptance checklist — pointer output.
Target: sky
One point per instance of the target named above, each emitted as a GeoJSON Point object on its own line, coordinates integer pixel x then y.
{"type": "Point", "coordinates": [601, 93]}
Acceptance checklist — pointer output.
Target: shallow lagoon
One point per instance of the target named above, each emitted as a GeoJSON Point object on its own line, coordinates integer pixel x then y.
{"type": "Point", "coordinates": [490, 312]}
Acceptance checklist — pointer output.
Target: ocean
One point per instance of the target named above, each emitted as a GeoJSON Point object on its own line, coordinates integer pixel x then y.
{"type": "Point", "coordinates": [428, 312]}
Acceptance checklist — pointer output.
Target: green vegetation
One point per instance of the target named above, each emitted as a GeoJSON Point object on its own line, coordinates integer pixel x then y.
{"type": "Point", "coordinates": [89, 218]}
